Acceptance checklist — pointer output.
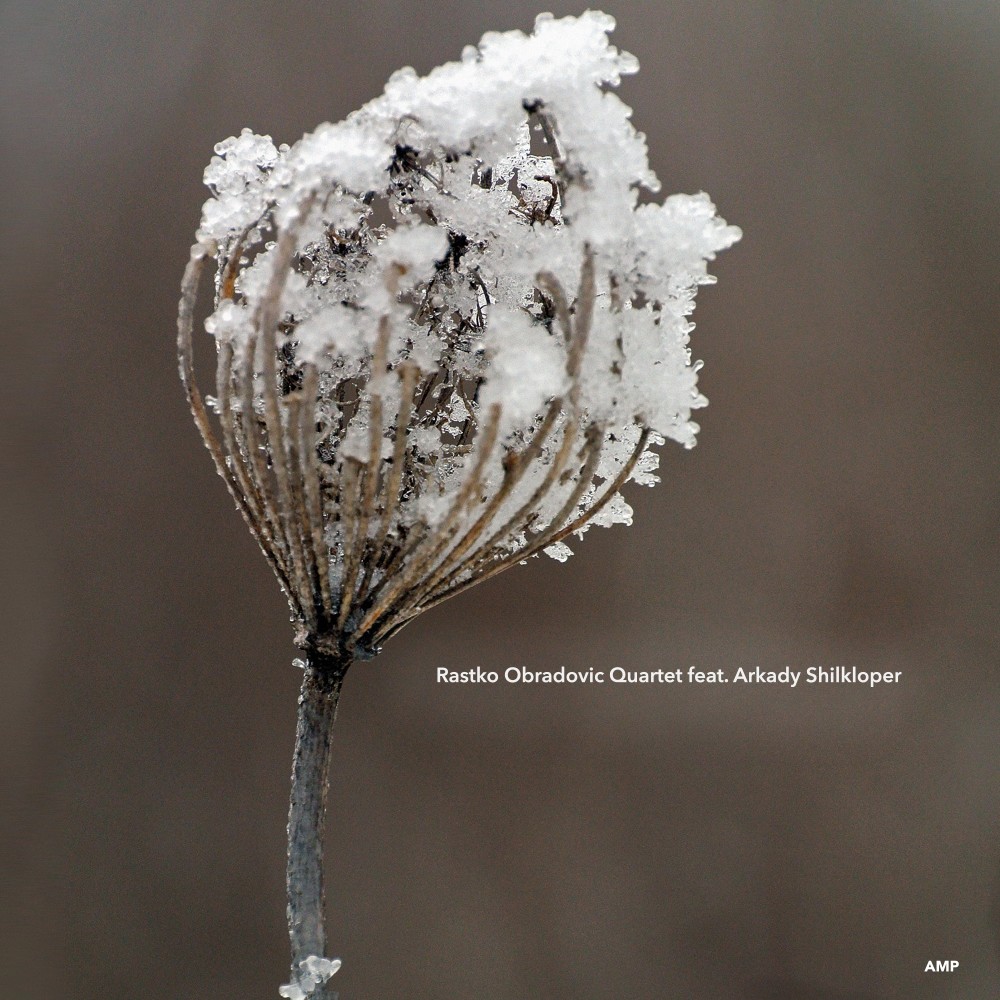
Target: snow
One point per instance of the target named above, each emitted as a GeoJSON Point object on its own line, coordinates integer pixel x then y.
{"type": "Point", "coordinates": [540, 311]}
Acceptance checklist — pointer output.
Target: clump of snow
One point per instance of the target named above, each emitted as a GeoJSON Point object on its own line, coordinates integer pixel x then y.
{"type": "Point", "coordinates": [459, 288]}
{"type": "Point", "coordinates": [527, 366]}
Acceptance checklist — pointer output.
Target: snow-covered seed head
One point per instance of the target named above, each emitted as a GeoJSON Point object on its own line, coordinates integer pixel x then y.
{"type": "Point", "coordinates": [448, 332]}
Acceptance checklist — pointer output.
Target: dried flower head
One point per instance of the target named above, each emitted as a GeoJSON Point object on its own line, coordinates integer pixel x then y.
{"type": "Point", "coordinates": [448, 332]}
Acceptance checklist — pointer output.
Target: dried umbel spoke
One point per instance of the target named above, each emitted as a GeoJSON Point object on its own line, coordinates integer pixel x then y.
{"type": "Point", "coordinates": [449, 332]}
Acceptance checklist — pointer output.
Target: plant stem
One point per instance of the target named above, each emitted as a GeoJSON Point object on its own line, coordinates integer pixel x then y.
{"type": "Point", "coordinates": [324, 676]}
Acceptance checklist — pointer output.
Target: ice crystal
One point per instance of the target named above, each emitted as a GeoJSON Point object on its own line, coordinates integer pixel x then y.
{"type": "Point", "coordinates": [313, 972]}
{"type": "Point", "coordinates": [448, 332]}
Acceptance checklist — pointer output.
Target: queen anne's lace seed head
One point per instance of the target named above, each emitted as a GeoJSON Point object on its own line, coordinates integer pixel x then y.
{"type": "Point", "coordinates": [448, 333]}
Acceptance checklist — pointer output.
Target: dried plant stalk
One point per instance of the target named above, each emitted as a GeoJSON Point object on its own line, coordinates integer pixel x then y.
{"type": "Point", "coordinates": [409, 407]}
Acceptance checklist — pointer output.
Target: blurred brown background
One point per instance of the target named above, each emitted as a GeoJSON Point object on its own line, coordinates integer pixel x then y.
{"type": "Point", "coordinates": [841, 507]}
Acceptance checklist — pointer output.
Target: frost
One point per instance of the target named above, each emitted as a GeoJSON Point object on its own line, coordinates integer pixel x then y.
{"type": "Point", "coordinates": [335, 330]}
{"type": "Point", "coordinates": [560, 551]}
{"type": "Point", "coordinates": [645, 470]}
{"type": "Point", "coordinates": [238, 176]}
{"type": "Point", "coordinates": [315, 971]}
{"type": "Point", "coordinates": [231, 321]}
{"type": "Point", "coordinates": [449, 332]}
{"type": "Point", "coordinates": [414, 250]}
{"type": "Point", "coordinates": [616, 511]}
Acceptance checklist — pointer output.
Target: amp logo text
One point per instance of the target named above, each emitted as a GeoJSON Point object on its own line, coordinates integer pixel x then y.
{"type": "Point", "coordinates": [942, 965]}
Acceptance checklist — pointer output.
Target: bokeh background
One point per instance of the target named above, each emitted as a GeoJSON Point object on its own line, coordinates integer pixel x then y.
{"type": "Point", "coordinates": [841, 507]}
